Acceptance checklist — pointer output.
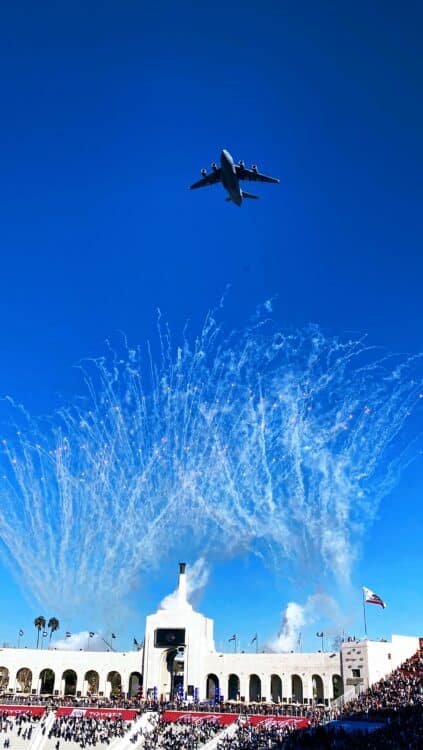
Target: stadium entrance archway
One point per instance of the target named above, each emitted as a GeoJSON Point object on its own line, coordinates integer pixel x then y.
{"type": "Point", "coordinates": [47, 682]}
{"type": "Point", "coordinates": [4, 678]}
{"type": "Point", "coordinates": [337, 685]}
{"type": "Point", "coordinates": [212, 688]}
{"type": "Point", "coordinates": [115, 680]}
{"type": "Point", "coordinates": [276, 688]}
{"type": "Point", "coordinates": [135, 685]}
{"type": "Point", "coordinates": [23, 680]}
{"type": "Point", "coordinates": [69, 682]}
{"type": "Point", "coordinates": [255, 688]}
{"type": "Point", "coordinates": [296, 689]}
{"type": "Point", "coordinates": [317, 683]}
{"type": "Point", "coordinates": [175, 668]}
{"type": "Point", "coordinates": [233, 687]}
{"type": "Point", "coordinates": [92, 680]}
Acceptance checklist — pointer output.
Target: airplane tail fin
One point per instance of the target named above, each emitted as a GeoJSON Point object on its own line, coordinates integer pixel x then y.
{"type": "Point", "coordinates": [249, 195]}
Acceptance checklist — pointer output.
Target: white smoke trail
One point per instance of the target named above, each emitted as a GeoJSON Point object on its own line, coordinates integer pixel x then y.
{"type": "Point", "coordinates": [197, 576]}
{"type": "Point", "coordinates": [279, 444]}
{"type": "Point", "coordinates": [297, 616]}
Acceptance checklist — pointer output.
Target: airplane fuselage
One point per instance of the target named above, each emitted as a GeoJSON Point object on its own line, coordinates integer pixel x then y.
{"type": "Point", "coordinates": [230, 178]}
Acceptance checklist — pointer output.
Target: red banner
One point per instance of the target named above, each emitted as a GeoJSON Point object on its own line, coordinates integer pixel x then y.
{"type": "Point", "coordinates": [265, 721]}
{"type": "Point", "coordinates": [192, 717]}
{"type": "Point", "coordinates": [14, 710]}
{"type": "Point", "coordinates": [127, 714]}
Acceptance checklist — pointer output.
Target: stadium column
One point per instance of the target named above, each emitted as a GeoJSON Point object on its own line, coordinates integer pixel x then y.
{"type": "Point", "coordinates": [102, 683]}
{"type": "Point", "coordinates": [80, 683]}
{"type": "Point", "coordinates": [328, 687]}
{"type": "Point", "coordinates": [286, 685]}
{"type": "Point", "coordinates": [244, 686]}
{"type": "Point", "coordinates": [266, 687]}
{"type": "Point", "coordinates": [307, 687]}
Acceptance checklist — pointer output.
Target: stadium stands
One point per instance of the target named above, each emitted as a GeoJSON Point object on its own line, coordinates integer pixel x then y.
{"type": "Point", "coordinates": [388, 715]}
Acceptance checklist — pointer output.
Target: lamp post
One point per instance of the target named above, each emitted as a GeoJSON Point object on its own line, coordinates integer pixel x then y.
{"type": "Point", "coordinates": [321, 635]}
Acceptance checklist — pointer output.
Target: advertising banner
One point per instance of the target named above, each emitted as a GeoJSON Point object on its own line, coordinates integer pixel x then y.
{"type": "Point", "coordinates": [127, 714]}
{"type": "Point", "coordinates": [14, 710]}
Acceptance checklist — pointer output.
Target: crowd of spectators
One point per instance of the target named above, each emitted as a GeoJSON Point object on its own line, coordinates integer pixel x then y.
{"type": "Point", "coordinates": [248, 737]}
{"type": "Point", "coordinates": [396, 701]}
{"type": "Point", "coordinates": [405, 732]}
{"type": "Point", "coordinates": [53, 702]}
{"type": "Point", "coordinates": [181, 735]}
{"type": "Point", "coordinates": [87, 732]}
{"type": "Point", "coordinates": [20, 726]}
{"type": "Point", "coordinates": [403, 687]}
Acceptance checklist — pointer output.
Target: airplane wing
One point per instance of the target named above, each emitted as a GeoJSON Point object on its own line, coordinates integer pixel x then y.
{"type": "Point", "coordinates": [253, 175]}
{"type": "Point", "coordinates": [210, 179]}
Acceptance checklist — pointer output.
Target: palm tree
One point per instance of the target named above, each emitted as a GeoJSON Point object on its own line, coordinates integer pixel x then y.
{"type": "Point", "coordinates": [54, 625]}
{"type": "Point", "coordinates": [40, 623]}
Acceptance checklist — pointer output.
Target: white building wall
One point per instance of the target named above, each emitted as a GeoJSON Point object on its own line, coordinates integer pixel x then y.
{"type": "Point", "coordinates": [81, 662]}
{"type": "Point", "coordinates": [360, 663]}
{"type": "Point", "coordinates": [366, 662]}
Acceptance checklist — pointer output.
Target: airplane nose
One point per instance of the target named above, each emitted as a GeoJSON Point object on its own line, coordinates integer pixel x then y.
{"type": "Point", "coordinates": [224, 155]}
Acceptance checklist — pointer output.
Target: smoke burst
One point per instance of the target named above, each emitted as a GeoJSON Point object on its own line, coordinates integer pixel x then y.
{"type": "Point", "coordinates": [297, 616]}
{"type": "Point", "coordinates": [282, 444]}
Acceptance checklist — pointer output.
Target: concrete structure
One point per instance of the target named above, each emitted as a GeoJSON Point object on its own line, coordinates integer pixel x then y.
{"type": "Point", "coordinates": [365, 662]}
{"type": "Point", "coordinates": [179, 656]}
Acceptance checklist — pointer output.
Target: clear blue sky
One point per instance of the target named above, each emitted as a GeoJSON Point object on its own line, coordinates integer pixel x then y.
{"type": "Point", "coordinates": [109, 111]}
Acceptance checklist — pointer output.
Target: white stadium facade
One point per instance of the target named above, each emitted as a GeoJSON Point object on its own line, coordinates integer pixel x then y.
{"type": "Point", "coordinates": [179, 657]}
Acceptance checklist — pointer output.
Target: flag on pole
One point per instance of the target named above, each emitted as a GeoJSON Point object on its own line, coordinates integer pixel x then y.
{"type": "Point", "coordinates": [135, 642]}
{"type": "Point", "coordinates": [21, 633]}
{"type": "Point", "coordinates": [319, 635]}
{"type": "Point", "coordinates": [233, 638]}
{"type": "Point", "coordinates": [91, 634]}
{"type": "Point", "coordinates": [371, 598]}
{"type": "Point", "coordinates": [113, 635]}
{"type": "Point", "coordinates": [253, 639]}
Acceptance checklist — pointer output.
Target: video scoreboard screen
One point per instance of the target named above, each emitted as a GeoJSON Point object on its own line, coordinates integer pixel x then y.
{"type": "Point", "coordinates": [166, 637]}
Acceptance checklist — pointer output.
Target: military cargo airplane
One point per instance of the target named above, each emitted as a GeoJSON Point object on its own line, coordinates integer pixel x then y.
{"type": "Point", "coordinates": [229, 174]}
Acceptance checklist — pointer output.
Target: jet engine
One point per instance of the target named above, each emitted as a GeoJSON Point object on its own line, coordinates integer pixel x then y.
{"type": "Point", "coordinates": [254, 167]}
{"type": "Point", "coordinates": [214, 166]}
{"type": "Point", "coordinates": [204, 172]}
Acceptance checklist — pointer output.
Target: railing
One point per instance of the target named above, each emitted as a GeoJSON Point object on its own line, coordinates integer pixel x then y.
{"type": "Point", "coordinates": [344, 698]}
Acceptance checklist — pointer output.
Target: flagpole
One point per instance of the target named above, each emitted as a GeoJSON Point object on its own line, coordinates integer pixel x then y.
{"type": "Point", "coordinates": [364, 613]}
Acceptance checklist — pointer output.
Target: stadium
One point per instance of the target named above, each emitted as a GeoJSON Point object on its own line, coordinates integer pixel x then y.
{"type": "Point", "coordinates": [179, 691]}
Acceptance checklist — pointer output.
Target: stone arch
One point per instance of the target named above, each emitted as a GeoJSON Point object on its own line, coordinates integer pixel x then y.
{"type": "Point", "coordinates": [254, 688]}
{"type": "Point", "coordinates": [276, 688]}
{"type": "Point", "coordinates": [318, 692]}
{"type": "Point", "coordinates": [4, 678]}
{"type": "Point", "coordinates": [212, 688]}
{"type": "Point", "coordinates": [69, 682]}
{"type": "Point", "coordinates": [92, 679]}
{"type": "Point", "coordinates": [337, 685]}
{"type": "Point", "coordinates": [233, 687]}
{"type": "Point", "coordinates": [134, 685]}
{"type": "Point", "coordinates": [173, 678]}
{"type": "Point", "coordinates": [47, 678]}
{"type": "Point", "coordinates": [24, 680]}
{"type": "Point", "coordinates": [115, 680]}
{"type": "Point", "coordinates": [296, 689]}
